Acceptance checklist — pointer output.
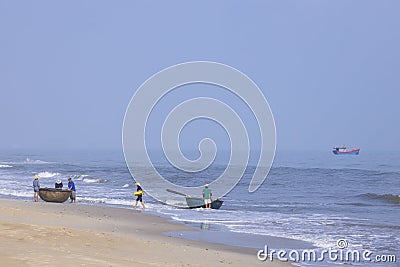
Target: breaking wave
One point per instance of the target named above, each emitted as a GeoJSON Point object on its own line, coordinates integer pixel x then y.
{"type": "Point", "coordinates": [35, 161]}
{"type": "Point", "coordinates": [110, 201]}
{"type": "Point", "coordinates": [91, 180]}
{"type": "Point", "coordinates": [15, 193]}
{"type": "Point", "coordinates": [5, 166]}
{"type": "Point", "coordinates": [48, 174]}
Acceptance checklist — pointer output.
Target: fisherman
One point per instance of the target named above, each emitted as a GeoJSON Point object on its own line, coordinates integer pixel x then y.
{"type": "Point", "coordinates": [58, 184]}
{"type": "Point", "coordinates": [36, 187]}
{"type": "Point", "coordinates": [207, 194]}
{"type": "Point", "coordinates": [139, 196]}
{"type": "Point", "coordinates": [71, 186]}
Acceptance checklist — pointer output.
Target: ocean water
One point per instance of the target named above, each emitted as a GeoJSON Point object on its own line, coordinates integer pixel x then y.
{"type": "Point", "coordinates": [311, 196]}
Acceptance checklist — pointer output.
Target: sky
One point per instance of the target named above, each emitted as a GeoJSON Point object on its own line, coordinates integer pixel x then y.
{"type": "Point", "coordinates": [329, 69]}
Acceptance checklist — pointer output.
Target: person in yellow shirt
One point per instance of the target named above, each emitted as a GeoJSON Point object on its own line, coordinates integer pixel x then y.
{"type": "Point", "coordinates": [139, 196]}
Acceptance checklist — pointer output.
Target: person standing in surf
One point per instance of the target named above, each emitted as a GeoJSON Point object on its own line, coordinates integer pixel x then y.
{"type": "Point", "coordinates": [36, 187]}
{"type": "Point", "coordinates": [139, 196]}
{"type": "Point", "coordinates": [71, 186]}
{"type": "Point", "coordinates": [207, 194]}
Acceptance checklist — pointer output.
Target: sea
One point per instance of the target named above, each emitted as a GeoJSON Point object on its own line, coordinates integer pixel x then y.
{"type": "Point", "coordinates": [315, 197]}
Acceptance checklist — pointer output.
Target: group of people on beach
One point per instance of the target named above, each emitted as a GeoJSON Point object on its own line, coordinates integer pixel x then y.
{"type": "Point", "coordinates": [139, 192]}
{"type": "Point", "coordinates": [58, 185]}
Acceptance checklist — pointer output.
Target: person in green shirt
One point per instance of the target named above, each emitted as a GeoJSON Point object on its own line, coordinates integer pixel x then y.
{"type": "Point", "coordinates": [207, 194]}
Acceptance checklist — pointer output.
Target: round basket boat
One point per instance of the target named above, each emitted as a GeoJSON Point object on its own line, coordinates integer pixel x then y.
{"type": "Point", "coordinates": [54, 195]}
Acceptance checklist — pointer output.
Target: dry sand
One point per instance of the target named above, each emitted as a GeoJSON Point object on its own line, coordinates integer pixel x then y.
{"type": "Point", "coordinates": [51, 234]}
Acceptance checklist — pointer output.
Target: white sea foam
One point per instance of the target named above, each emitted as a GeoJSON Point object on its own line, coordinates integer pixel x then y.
{"type": "Point", "coordinates": [35, 161]}
{"type": "Point", "coordinates": [125, 185]}
{"type": "Point", "coordinates": [111, 201]}
{"type": "Point", "coordinates": [92, 180]}
{"type": "Point", "coordinates": [259, 223]}
{"type": "Point", "coordinates": [5, 166]}
{"type": "Point", "coordinates": [15, 193]}
{"type": "Point", "coordinates": [48, 174]}
{"type": "Point", "coordinates": [203, 220]}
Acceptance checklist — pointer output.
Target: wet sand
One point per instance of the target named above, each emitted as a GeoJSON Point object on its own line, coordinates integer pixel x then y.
{"type": "Point", "coordinates": [52, 234]}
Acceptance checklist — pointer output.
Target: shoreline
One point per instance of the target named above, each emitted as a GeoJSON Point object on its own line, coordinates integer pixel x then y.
{"type": "Point", "coordinates": [199, 231]}
{"type": "Point", "coordinates": [43, 234]}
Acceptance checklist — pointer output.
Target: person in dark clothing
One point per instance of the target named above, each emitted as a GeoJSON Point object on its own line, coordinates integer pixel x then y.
{"type": "Point", "coordinates": [58, 184]}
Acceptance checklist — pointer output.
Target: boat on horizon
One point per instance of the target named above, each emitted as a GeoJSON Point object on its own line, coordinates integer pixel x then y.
{"type": "Point", "coordinates": [344, 151]}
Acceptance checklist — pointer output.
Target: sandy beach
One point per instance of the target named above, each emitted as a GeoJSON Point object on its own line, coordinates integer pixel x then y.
{"type": "Point", "coordinates": [50, 234]}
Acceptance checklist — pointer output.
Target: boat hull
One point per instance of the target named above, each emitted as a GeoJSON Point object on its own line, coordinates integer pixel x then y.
{"type": "Point", "coordinates": [197, 202]}
{"type": "Point", "coordinates": [349, 152]}
{"type": "Point", "coordinates": [54, 195]}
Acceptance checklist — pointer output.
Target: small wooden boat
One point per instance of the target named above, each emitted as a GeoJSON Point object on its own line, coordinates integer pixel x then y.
{"type": "Point", "coordinates": [198, 202]}
{"type": "Point", "coordinates": [54, 195]}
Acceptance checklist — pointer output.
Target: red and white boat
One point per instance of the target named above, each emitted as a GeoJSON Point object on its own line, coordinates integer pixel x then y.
{"type": "Point", "coordinates": [344, 151]}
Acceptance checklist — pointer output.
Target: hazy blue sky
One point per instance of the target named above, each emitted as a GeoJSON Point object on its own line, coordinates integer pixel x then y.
{"type": "Point", "coordinates": [329, 69]}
